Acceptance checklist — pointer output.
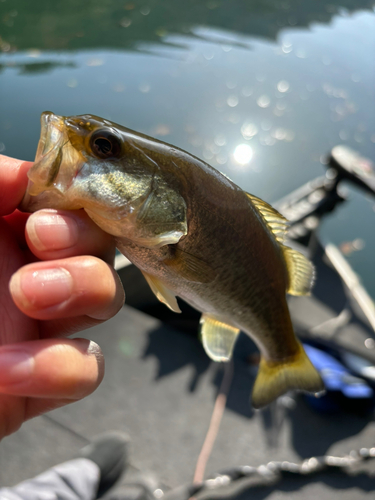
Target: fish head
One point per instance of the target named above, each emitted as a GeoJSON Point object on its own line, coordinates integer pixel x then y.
{"type": "Point", "coordinates": [91, 163]}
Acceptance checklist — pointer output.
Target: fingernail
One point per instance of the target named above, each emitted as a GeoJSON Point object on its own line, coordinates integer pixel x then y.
{"type": "Point", "coordinates": [15, 366]}
{"type": "Point", "coordinates": [42, 288]}
{"type": "Point", "coordinates": [52, 231]}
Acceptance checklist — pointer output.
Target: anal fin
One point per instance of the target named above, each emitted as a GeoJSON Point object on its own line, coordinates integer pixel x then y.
{"type": "Point", "coordinates": [162, 292]}
{"type": "Point", "coordinates": [277, 377]}
{"type": "Point", "coordinates": [218, 338]}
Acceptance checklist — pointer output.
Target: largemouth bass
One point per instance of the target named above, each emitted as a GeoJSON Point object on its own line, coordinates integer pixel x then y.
{"type": "Point", "coordinates": [191, 231]}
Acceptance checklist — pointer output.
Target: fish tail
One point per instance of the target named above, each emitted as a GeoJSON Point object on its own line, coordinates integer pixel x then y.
{"type": "Point", "coordinates": [277, 377]}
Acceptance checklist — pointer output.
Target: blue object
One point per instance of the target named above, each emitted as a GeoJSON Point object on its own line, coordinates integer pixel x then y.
{"type": "Point", "coordinates": [337, 380]}
{"type": "Point", "coordinates": [335, 376]}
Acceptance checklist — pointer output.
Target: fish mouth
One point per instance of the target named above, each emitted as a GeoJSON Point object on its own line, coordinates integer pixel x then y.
{"type": "Point", "coordinates": [51, 134]}
{"type": "Point", "coordinates": [48, 159]}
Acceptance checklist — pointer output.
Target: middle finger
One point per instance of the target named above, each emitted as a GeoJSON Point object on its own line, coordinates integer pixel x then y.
{"type": "Point", "coordinates": [68, 288]}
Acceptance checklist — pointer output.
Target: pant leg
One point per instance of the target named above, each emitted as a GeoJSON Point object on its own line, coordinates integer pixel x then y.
{"type": "Point", "coordinates": [74, 480]}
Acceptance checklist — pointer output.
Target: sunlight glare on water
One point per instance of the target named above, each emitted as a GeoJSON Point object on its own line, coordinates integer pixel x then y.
{"type": "Point", "coordinates": [243, 154]}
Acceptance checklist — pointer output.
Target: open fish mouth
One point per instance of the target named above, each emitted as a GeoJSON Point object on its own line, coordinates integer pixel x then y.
{"type": "Point", "coordinates": [51, 134]}
{"type": "Point", "coordinates": [51, 156]}
{"type": "Point", "coordinates": [49, 153]}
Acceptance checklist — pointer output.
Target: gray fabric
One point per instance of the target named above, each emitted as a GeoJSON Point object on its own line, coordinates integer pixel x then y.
{"type": "Point", "coordinates": [74, 480]}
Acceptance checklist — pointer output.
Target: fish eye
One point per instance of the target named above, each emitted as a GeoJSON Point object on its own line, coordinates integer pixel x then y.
{"type": "Point", "coordinates": [104, 144]}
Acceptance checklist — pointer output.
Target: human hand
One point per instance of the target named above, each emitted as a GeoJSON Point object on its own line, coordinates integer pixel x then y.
{"type": "Point", "coordinates": [56, 278]}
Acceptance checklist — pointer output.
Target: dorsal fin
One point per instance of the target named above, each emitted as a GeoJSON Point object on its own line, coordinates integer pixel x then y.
{"type": "Point", "coordinates": [300, 269]}
{"type": "Point", "coordinates": [301, 272]}
{"type": "Point", "coordinates": [277, 223]}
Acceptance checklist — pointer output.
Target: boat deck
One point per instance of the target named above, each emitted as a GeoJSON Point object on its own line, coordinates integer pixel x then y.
{"type": "Point", "coordinates": [160, 388]}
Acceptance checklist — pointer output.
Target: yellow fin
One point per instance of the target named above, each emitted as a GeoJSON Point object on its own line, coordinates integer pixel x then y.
{"type": "Point", "coordinates": [277, 223]}
{"type": "Point", "coordinates": [218, 338]}
{"type": "Point", "coordinates": [276, 378]}
{"type": "Point", "coordinates": [162, 292]}
{"type": "Point", "coordinates": [190, 267]}
{"type": "Point", "coordinates": [301, 272]}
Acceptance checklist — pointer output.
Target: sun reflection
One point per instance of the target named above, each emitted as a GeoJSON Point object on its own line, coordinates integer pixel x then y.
{"type": "Point", "coordinates": [243, 154]}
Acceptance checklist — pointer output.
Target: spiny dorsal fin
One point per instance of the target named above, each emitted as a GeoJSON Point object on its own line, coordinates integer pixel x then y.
{"type": "Point", "coordinates": [218, 338]}
{"type": "Point", "coordinates": [277, 223]}
{"type": "Point", "coordinates": [300, 270]}
{"type": "Point", "coordinates": [162, 292]}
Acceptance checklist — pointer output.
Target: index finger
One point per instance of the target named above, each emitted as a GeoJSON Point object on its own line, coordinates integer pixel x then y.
{"type": "Point", "coordinates": [13, 183]}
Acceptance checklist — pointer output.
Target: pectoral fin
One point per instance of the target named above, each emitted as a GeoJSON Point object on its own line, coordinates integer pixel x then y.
{"type": "Point", "coordinates": [277, 377]}
{"type": "Point", "coordinates": [162, 292]}
{"type": "Point", "coordinates": [218, 338]}
{"type": "Point", "coordinates": [190, 267]}
{"type": "Point", "coordinates": [301, 272]}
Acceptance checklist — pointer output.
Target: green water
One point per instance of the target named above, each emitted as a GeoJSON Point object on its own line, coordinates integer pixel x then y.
{"type": "Point", "coordinates": [261, 90]}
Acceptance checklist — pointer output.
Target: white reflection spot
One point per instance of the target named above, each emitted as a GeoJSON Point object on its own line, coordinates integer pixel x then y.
{"type": "Point", "coordinates": [301, 54]}
{"type": "Point", "coordinates": [145, 11]}
{"type": "Point", "coordinates": [221, 159]}
{"type": "Point", "coordinates": [232, 101]}
{"type": "Point", "coordinates": [95, 61]}
{"type": "Point", "coordinates": [144, 88]}
{"type": "Point", "coordinates": [370, 343]}
{"type": "Point", "coordinates": [220, 140]}
{"type": "Point", "coordinates": [208, 55]}
{"type": "Point", "coordinates": [248, 130]}
{"type": "Point", "coordinates": [231, 84]}
{"type": "Point", "coordinates": [286, 49]}
{"type": "Point", "coordinates": [263, 101]}
{"type": "Point", "coordinates": [34, 53]}
{"type": "Point", "coordinates": [283, 86]}
{"type": "Point", "coordinates": [247, 91]}
{"type": "Point", "coordinates": [281, 105]}
{"type": "Point", "coordinates": [243, 154]}
{"type": "Point", "coordinates": [125, 22]}
{"type": "Point", "coordinates": [72, 83]}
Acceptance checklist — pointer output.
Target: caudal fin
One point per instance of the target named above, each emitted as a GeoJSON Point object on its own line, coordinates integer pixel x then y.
{"type": "Point", "coordinates": [276, 378]}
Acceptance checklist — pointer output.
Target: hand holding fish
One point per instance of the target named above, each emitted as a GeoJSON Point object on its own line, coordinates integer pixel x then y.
{"type": "Point", "coordinates": [50, 264]}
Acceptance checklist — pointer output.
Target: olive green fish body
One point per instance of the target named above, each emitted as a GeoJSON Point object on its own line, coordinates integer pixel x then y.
{"type": "Point", "coordinates": [191, 231]}
{"type": "Point", "coordinates": [250, 280]}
